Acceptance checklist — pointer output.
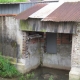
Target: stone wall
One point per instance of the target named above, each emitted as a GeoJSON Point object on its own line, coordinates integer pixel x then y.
{"type": "Point", "coordinates": [75, 56]}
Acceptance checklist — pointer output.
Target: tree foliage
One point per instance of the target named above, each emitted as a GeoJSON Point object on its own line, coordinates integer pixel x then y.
{"type": "Point", "coordinates": [10, 1]}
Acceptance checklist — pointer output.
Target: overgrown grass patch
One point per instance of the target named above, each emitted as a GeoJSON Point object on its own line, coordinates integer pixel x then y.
{"type": "Point", "coordinates": [7, 69]}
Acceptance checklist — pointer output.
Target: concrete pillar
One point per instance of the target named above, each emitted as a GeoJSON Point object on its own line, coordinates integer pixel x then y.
{"type": "Point", "coordinates": [75, 56]}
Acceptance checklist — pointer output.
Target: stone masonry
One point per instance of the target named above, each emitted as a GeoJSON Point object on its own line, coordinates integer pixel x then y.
{"type": "Point", "coordinates": [75, 56]}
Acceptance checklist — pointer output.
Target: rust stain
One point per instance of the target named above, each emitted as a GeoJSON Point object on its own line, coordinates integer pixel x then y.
{"type": "Point", "coordinates": [8, 14]}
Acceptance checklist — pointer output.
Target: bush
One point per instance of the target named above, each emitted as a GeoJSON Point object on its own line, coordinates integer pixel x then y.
{"type": "Point", "coordinates": [10, 1]}
{"type": "Point", "coordinates": [7, 69]}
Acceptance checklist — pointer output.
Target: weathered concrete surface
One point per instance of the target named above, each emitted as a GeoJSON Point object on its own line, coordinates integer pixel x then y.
{"type": "Point", "coordinates": [10, 36]}
{"type": "Point", "coordinates": [75, 56]}
{"type": "Point", "coordinates": [74, 74]}
{"type": "Point", "coordinates": [60, 60]}
{"type": "Point", "coordinates": [54, 27]}
{"type": "Point", "coordinates": [31, 57]}
{"type": "Point", "coordinates": [13, 31]}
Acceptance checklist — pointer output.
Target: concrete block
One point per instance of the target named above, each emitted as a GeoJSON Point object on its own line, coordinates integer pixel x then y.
{"type": "Point", "coordinates": [74, 74]}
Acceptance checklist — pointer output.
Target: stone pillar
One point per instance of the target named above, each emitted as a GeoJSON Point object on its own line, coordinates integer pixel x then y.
{"type": "Point", "coordinates": [75, 56]}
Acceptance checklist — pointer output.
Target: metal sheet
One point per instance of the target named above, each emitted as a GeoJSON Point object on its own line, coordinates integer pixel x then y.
{"type": "Point", "coordinates": [69, 11]}
{"type": "Point", "coordinates": [45, 11]}
{"type": "Point", "coordinates": [24, 15]}
{"type": "Point", "coordinates": [25, 6]}
{"type": "Point", "coordinates": [51, 42]}
{"type": "Point", "coordinates": [9, 9]}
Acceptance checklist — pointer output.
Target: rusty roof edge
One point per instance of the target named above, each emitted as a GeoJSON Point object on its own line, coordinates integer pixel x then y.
{"type": "Point", "coordinates": [8, 14]}
{"type": "Point", "coordinates": [25, 14]}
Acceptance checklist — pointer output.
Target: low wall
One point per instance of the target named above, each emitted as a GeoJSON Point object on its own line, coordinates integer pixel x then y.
{"type": "Point", "coordinates": [60, 60]}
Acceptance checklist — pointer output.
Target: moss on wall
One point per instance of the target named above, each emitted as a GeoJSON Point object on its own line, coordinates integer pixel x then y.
{"type": "Point", "coordinates": [25, 26]}
{"type": "Point", "coordinates": [43, 30]}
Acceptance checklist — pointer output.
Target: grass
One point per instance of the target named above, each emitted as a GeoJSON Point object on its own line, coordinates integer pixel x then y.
{"type": "Point", "coordinates": [29, 76]}
{"type": "Point", "coordinates": [51, 78]}
{"type": "Point", "coordinates": [12, 1]}
{"type": "Point", "coordinates": [7, 69]}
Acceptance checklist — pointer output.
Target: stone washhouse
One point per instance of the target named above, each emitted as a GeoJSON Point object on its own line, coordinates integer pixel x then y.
{"type": "Point", "coordinates": [51, 41]}
{"type": "Point", "coordinates": [44, 35]}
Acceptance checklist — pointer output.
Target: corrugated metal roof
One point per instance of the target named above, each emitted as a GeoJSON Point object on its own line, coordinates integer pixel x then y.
{"type": "Point", "coordinates": [45, 11]}
{"type": "Point", "coordinates": [69, 11]}
{"type": "Point", "coordinates": [24, 15]}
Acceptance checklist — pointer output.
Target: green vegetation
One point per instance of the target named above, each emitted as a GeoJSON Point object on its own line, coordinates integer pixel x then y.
{"type": "Point", "coordinates": [22, 78]}
{"type": "Point", "coordinates": [27, 77]}
{"type": "Point", "coordinates": [24, 26]}
{"type": "Point", "coordinates": [36, 78]}
{"type": "Point", "coordinates": [51, 78]}
{"type": "Point", "coordinates": [30, 75]}
{"type": "Point", "coordinates": [10, 1]}
{"type": "Point", "coordinates": [7, 69]}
